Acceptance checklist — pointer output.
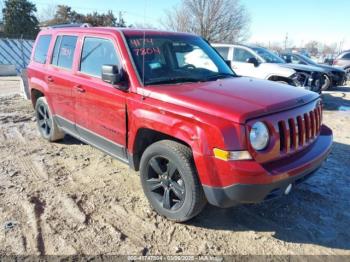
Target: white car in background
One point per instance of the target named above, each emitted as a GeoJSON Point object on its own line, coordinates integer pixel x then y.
{"type": "Point", "coordinates": [258, 62]}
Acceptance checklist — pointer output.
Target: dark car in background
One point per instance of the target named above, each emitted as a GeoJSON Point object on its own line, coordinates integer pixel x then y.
{"type": "Point", "coordinates": [333, 76]}
{"type": "Point", "coordinates": [343, 60]}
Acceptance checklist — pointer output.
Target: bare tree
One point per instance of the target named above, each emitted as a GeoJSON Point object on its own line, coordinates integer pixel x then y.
{"type": "Point", "coordinates": [139, 25]}
{"type": "Point", "coordinates": [224, 21]}
{"type": "Point", "coordinates": [47, 13]}
{"type": "Point", "coordinates": [312, 47]}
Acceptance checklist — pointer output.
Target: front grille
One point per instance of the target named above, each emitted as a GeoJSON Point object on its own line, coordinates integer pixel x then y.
{"type": "Point", "coordinates": [295, 133]}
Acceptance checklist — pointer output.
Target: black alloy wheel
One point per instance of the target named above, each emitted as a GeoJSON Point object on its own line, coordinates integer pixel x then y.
{"type": "Point", "coordinates": [47, 125]}
{"type": "Point", "coordinates": [170, 180]}
{"type": "Point", "coordinates": [44, 120]}
{"type": "Point", "coordinates": [165, 183]}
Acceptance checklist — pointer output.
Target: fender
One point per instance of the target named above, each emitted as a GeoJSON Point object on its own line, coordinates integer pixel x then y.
{"type": "Point", "coordinates": [201, 134]}
{"type": "Point", "coordinates": [36, 81]}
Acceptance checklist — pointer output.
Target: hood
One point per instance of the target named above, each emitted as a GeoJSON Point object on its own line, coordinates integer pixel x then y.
{"type": "Point", "coordinates": [236, 99]}
{"type": "Point", "coordinates": [329, 68]}
{"type": "Point", "coordinates": [276, 69]}
{"type": "Point", "coordinates": [307, 68]}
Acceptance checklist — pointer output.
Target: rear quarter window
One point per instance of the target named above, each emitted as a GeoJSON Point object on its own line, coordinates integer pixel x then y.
{"type": "Point", "coordinates": [42, 48]}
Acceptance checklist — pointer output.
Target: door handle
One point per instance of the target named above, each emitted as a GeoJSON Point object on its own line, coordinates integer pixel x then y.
{"type": "Point", "coordinates": [79, 89]}
{"type": "Point", "coordinates": [49, 79]}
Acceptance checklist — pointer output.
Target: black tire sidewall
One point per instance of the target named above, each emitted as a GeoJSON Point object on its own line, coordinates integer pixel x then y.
{"type": "Point", "coordinates": [186, 173]}
{"type": "Point", "coordinates": [347, 70]}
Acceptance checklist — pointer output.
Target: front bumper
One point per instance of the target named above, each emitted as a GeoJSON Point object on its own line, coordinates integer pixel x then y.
{"type": "Point", "coordinates": [276, 176]}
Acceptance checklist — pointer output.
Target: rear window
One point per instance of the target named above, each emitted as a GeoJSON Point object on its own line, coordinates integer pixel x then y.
{"type": "Point", "coordinates": [63, 52]}
{"type": "Point", "coordinates": [41, 49]}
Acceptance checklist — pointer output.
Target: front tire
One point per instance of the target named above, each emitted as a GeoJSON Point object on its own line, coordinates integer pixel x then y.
{"type": "Point", "coordinates": [170, 182]}
{"type": "Point", "coordinates": [327, 83]}
{"type": "Point", "coordinates": [45, 121]}
{"type": "Point", "coordinates": [347, 70]}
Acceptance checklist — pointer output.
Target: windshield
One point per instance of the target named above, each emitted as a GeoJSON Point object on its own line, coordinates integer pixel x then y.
{"type": "Point", "coordinates": [308, 60]}
{"type": "Point", "coordinates": [268, 56]}
{"type": "Point", "coordinates": [162, 59]}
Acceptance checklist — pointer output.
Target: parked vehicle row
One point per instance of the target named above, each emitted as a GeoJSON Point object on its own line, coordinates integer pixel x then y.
{"type": "Point", "coordinates": [332, 75]}
{"type": "Point", "coordinates": [343, 60]}
{"type": "Point", "coordinates": [197, 132]}
{"type": "Point", "coordinates": [258, 62]}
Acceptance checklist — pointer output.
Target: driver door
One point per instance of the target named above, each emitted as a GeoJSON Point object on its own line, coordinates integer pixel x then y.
{"type": "Point", "coordinates": [100, 106]}
{"type": "Point", "coordinates": [239, 64]}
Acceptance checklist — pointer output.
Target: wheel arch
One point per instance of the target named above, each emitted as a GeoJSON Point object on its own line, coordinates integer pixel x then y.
{"type": "Point", "coordinates": [35, 94]}
{"type": "Point", "coordinates": [280, 78]}
{"type": "Point", "coordinates": [144, 138]}
{"type": "Point", "coordinates": [37, 88]}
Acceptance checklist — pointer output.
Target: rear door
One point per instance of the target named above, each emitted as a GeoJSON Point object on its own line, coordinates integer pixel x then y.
{"type": "Point", "coordinates": [100, 107]}
{"type": "Point", "coordinates": [61, 82]}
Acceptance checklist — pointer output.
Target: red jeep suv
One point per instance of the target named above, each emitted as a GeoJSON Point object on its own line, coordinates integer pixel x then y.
{"type": "Point", "coordinates": [168, 105]}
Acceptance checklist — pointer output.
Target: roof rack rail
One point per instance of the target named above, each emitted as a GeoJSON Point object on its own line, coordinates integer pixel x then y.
{"type": "Point", "coordinates": [70, 25]}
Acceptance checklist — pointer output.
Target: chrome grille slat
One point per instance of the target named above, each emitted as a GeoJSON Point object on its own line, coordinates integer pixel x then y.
{"type": "Point", "coordinates": [301, 128]}
{"type": "Point", "coordinates": [312, 124]}
{"type": "Point", "coordinates": [298, 132]}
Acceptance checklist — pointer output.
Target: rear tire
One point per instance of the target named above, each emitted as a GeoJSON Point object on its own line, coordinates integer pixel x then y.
{"type": "Point", "coordinates": [45, 121]}
{"type": "Point", "coordinates": [170, 182]}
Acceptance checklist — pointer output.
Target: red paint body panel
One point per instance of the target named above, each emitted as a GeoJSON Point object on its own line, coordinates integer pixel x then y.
{"type": "Point", "coordinates": [204, 115]}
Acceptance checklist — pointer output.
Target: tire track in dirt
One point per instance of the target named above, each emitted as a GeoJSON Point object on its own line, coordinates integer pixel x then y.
{"type": "Point", "coordinates": [130, 226]}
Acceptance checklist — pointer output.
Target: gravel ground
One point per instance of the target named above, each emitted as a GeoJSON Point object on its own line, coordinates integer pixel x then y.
{"type": "Point", "coordinates": [69, 198]}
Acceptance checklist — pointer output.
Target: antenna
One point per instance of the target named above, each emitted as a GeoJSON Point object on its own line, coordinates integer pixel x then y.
{"type": "Point", "coordinates": [143, 44]}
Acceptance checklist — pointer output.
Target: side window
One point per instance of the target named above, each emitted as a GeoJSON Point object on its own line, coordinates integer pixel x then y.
{"type": "Point", "coordinates": [346, 56]}
{"type": "Point", "coordinates": [295, 60]}
{"type": "Point", "coordinates": [97, 52]}
{"type": "Point", "coordinates": [223, 51]}
{"type": "Point", "coordinates": [63, 52]}
{"type": "Point", "coordinates": [241, 55]}
{"type": "Point", "coordinates": [41, 49]}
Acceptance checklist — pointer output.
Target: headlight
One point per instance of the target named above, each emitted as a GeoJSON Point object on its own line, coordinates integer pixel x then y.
{"type": "Point", "coordinates": [259, 136]}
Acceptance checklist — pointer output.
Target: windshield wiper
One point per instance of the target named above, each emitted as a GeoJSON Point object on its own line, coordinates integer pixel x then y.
{"type": "Point", "coordinates": [218, 76]}
{"type": "Point", "coordinates": [172, 80]}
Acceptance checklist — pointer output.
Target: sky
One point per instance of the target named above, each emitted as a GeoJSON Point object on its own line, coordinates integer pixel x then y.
{"type": "Point", "coordinates": [327, 21]}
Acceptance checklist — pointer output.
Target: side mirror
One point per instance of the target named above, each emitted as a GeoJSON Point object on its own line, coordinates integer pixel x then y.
{"type": "Point", "coordinates": [228, 62]}
{"type": "Point", "coordinates": [111, 74]}
{"type": "Point", "coordinates": [288, 59]}
{"type": "Point", "coordinates": [253, 60]}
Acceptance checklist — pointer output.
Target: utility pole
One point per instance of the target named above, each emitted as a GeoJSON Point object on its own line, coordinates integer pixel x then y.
{"type": "Point", "coordinates": [286, 41]}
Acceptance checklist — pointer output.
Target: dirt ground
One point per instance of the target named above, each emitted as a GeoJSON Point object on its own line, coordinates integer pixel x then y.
{"type": "Point", "coordinates": [69, 198]}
